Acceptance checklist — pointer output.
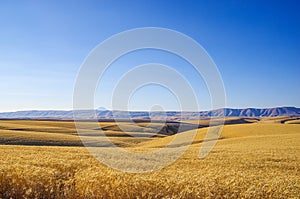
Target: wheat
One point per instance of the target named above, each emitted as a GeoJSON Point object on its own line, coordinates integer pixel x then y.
{"type": "Point", "coordinates": [251, 161]}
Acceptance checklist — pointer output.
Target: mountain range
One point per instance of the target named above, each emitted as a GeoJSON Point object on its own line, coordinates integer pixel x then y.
{"type": "Point", "coordinates": [169, 115]}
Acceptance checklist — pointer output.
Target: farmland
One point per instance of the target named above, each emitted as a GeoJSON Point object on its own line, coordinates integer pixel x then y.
{"type": "Point", "coordinates": [254, 158]}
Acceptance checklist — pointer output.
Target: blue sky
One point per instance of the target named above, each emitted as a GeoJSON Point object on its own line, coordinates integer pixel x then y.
{"type": "Point", "coordinates": [255, 45]}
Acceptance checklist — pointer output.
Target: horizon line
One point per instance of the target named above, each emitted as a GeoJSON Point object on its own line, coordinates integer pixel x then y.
{"type": "Point", "coordinates": [288, 106]}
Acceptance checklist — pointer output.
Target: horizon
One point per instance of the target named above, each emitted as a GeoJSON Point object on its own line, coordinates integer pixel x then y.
{"type": "Point", "coordinates": [255, 46]}
{"type": "Point", "coordinates": [150, 110]}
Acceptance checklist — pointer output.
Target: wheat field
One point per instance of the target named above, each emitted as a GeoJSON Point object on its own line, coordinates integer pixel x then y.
{"type": "Point", "coordinates": [45, 159]}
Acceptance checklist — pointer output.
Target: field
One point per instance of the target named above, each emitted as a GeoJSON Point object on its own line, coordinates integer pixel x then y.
{"type": "Point", "coordinates": [254, 158]}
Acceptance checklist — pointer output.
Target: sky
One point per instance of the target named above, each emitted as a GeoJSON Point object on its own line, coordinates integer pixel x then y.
{"type": "Point", "coordinates": [255, 45]}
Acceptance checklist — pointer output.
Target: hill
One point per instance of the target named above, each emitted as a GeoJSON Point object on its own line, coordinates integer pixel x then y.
{"type": "Point", "coordinates": [44, 159]}
{"type": "Point", "coordinates": [102, 113]}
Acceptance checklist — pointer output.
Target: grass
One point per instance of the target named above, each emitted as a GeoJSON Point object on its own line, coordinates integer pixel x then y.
{"type": "Point", "coordinates": [253, 160]}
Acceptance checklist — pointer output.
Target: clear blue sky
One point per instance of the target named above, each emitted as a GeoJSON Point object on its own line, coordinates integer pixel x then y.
{"type": "Point", "coordinates": [255, 45]}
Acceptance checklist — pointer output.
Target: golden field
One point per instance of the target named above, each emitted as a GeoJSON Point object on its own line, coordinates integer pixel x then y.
{"type": "Point", "coordinates": [254, 158]}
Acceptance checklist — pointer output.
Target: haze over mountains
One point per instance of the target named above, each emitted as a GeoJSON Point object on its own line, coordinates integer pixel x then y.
{"type": "Point", "coordinates": [169, 115]}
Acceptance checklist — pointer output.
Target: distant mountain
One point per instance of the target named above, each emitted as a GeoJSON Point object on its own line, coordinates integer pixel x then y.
{"type": "Point", "coordinates": [102, 113]}
{"type": "Point", "coordinates": [102, 109]}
